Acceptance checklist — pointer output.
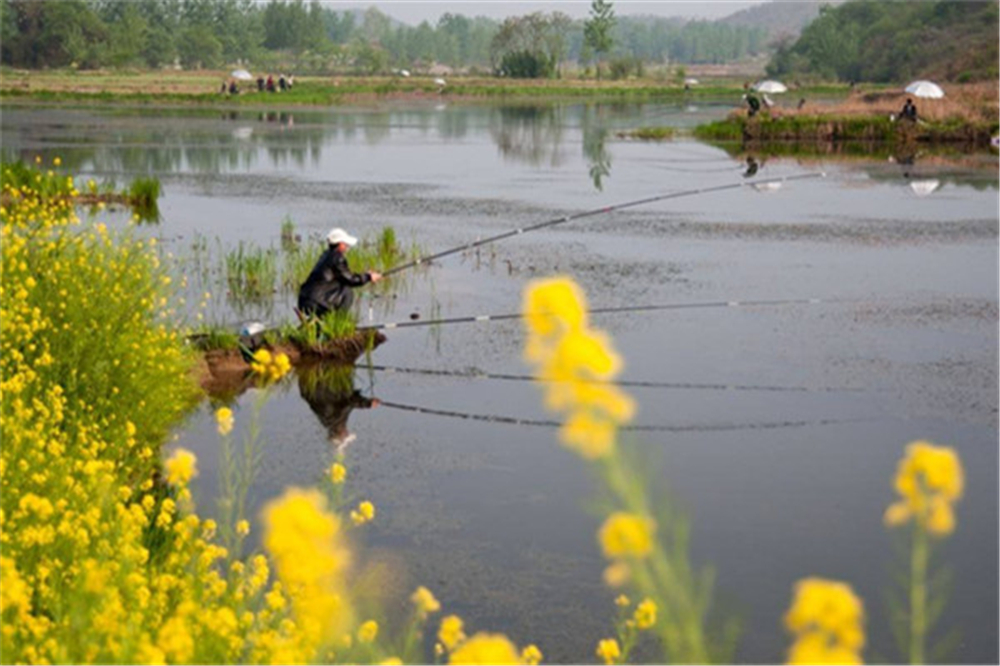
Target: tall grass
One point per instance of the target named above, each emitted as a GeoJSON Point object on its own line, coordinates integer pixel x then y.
{"type": "Point", "coordinates": [251, 272]}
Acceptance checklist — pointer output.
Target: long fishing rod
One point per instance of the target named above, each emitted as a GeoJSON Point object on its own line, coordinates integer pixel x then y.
{"type": "Point", "coordinates": [590, 213]}
{"type": "Point", "coordinates": [624, 383]}
{"type": "Point", "coordinates": [551, 423]}
{"type": "Point", "coordinates": [623, 308]}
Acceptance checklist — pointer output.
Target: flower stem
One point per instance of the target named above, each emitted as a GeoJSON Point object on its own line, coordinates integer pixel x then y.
{"type": "Point", "coordinates": [918, 593]}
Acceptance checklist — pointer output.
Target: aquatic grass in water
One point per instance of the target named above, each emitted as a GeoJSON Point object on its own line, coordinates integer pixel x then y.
{"type": "Point", "coordinates": [251, 272]}
{"type": "Point", "coordinates": [143, 195]}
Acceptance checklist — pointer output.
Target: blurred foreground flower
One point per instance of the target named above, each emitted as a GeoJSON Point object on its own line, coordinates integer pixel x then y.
{"type": "Point", "coordinates": [929, 479]}
{"type": "Point", "coordinates": [224, 420]}
{"type": "Point", "coordinates": [486, 648]}
{"type": "Point", "coordinates": [577, 365]}
{"type": "Point", "coordinates": [826, 618]}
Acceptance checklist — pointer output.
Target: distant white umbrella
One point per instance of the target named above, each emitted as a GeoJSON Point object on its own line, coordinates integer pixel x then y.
{"type": "Point", "coordinates": [924, 187]}
{"type": "Point", "coordinates": [241, 75]}
{"type": "Point", "coordinates": [925, 89]}
{"type": "Point", "coordinates": [770, 87]}
{"type": "Point", "coordinates": [404, 73]}
{"type": "Point", "coordinates": [440, 82]}
{"type": "Point", "coordinates": [691, 82]}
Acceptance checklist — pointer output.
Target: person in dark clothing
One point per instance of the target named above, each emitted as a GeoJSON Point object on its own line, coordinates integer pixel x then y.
{"type": "Point", "coordinates": [909, 111]}
{"type": "Point", "coordinates": [330, 284]}
{"type": "Point", "coordinates": [233, 88]}
{"type": "Point", "coordinates": [270, 83]}
{"type": "Point", "coordinates": [753, 103]}
{"type": "Point", "coordinates": [260, 84]}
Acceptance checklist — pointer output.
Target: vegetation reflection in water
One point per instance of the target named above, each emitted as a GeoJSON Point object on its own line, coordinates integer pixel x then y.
{"type": "Point", "coordinates": [106, 559]}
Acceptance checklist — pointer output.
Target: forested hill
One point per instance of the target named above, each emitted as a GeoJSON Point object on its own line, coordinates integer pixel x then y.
{"type": "Point", "coordinates": [778, 19]}
{"type": "Point", "coordinates": [869, 40]}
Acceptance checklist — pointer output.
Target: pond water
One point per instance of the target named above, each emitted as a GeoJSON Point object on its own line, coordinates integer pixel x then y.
{"type": "Point", "coordinates": [776, 428]}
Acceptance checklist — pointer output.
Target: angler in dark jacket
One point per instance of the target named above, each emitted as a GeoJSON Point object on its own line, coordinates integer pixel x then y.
{"type": "Point", "coordinates": [329, 285]}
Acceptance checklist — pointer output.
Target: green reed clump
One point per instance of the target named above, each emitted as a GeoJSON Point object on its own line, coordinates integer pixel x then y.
{"type": "Point", "coordinates": [251, 272]}
{"type": "Point", "coordinates": [142, 196]}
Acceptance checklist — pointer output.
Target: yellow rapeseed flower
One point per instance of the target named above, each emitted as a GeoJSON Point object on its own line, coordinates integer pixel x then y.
{"type": "Point", "coordinates": [424, 602]}
{"type": "Point", "coordinates": [553, 306]}
{"type": "Point", "coordinates": [645, 614]}
{"type": "Point", "coordinates": [929, 480]}
{"type": "Point", "coordinates": [531, 655]}
{"type": "Point", "coordinates": [626, 535]}
{"type": "Point", "coordinates": [450, 633]}
{"type": "Point", "coordinates": [181, 467]}
{"type": "Point", "coordinates": [270, 367]}
{"type": "Point", "coordinates": [485, 648]}
{"type": "Point", "coordinates": [368, 631]}
{"type": "Point", "coordinates": [242, 527]}
{"type": "Point", "coordinates": [338, 473]}
{"type": "Point", "coordinates": [827, 619]}
{"type": "Point", "coordinates": [365, 513]}
{"type": "Point", "coordinates": [608, 650]}
{"type": "Point", "coordinates": [224, 420]}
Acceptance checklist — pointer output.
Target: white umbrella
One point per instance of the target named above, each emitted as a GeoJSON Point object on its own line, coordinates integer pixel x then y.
{"type": "Point", "coordinates": [924, 187]}
{"type": "Point", "coordinates": [926, 89]}
{"type": "Point", "coordinates": [241, 75]}
{"type": "Point", "coordinates": [404, 73]}
{"type": "Point", "coordinates": [439, 82]}
{"type": "Point", "coordinates": [770, 87]}
{"type": "Point", "coordinates": [690, 82]}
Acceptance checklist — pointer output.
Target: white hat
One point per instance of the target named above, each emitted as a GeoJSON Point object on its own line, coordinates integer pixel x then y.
{"type": "Point", "coordinates": [338, 235]}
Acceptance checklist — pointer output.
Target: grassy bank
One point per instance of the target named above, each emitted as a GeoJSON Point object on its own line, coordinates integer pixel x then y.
{"type": "Point", "coordinates": [825, 128]}
{"type": "Point", "coordinates": [202, 88]}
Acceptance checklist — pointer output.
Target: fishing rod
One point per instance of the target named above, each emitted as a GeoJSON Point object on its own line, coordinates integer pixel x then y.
{"type": "Point", "coordinates": [625, 383]}
{"type": "Point", "coordinates": [552, 423]}
{"type": "Point", "coordinates": [623, 308]}
{"type": "Point", "coordinates": [590, 213]}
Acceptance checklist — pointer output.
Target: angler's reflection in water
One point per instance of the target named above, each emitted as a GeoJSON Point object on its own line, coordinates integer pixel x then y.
{"type": "Point", "coordinates": [331, 395]}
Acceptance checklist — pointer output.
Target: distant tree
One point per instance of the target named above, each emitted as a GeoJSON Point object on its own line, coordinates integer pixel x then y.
{"type": "Point", "coordinates": [597, 35]}
{"type": "Point", "coordinates": [198, 47]}
{"type": "Point", "coordinates": [529, 46]}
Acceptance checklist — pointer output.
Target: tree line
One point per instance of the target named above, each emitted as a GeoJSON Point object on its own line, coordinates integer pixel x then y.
{"type": "Point", "coordinates": [311, 37]}
{"type": "Point", "coordinates": [866, 40]}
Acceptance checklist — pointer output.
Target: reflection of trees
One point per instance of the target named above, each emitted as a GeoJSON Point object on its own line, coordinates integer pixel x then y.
{"type": "Point", "coordinates": [595, 133]}
{"type": "Point", "coordinates": [530, 134]}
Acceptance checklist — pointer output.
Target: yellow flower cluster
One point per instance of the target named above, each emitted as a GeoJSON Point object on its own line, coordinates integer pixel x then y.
{"type": "Point", "coordinates": [102, 561]}
{"type": "Point", "coordinates": [424, 602]}
{"type": "Point", "coordinates": [826, 618]}
{"type": "Point", "coordinates": [311, 560]}
{"type": "Point", "coordinates": [365, 513]}
{"type": "Point", "coordinates": [224, 420]}
{"type": "Point", "coordinates": [482, 648]}
{"type": "Point", "coordinates": [577, 364]}
{"type": "Point", "coordinates": [270, 367]}
{"type": "Point", "coordinates": [626, 535]}
{"type": "Point", "coordinates": [608, 650]}
{"type": "Point", "coordinates": [930, 480]}
{"type": "Point", "coordinates": [337, 473]}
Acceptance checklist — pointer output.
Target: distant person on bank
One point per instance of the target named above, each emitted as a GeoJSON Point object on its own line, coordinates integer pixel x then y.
{"type": "Point", "coordinates": [331, 283]}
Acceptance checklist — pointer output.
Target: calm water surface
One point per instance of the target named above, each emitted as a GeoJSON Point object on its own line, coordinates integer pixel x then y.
{"type": "Point", "coordinates": [776, 428]}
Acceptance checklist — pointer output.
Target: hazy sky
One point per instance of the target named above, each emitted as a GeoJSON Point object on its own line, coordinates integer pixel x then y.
{"type": "Point", "coordinates": [415, 11]}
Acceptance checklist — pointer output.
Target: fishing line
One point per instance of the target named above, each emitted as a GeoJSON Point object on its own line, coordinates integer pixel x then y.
{"type": "Point", "coordinates": [590, 213]}
{"type": "Point", "coordinates": [478, 374]}
{"type": "Point", "coordinates": [608, 310]}
{"type": "Point", "coordinates": [551, 423]}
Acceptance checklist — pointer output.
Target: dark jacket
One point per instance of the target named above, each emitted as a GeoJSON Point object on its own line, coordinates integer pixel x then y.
{"type": "Point", "coordinates": [328, 286]}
